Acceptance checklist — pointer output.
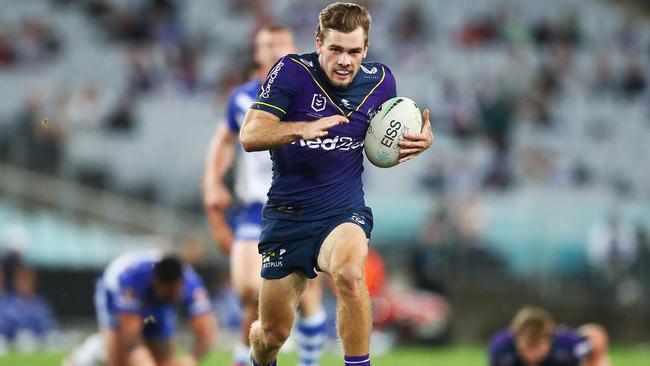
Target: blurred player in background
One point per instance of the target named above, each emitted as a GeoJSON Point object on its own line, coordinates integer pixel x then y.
{"type": "Point", "coordinates": [252, 183]}
{"type": "Point", "coordinates": [135, 302]}
{"type": "Point", "coordinates": [312, 113]}
{"type": "Point", "coordinates": [534, 339]}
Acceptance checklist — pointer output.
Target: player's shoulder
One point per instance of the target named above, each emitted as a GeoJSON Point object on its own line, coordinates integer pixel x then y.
{"type": "Point", "coordinates": [501, 340]}
{"type": "Point", "coordinates": [566, 335]}
{"type": "Point", "coordinates": [375, 74]}
{"type": "Point", "coordinates": [569, 344]}
{"type": "Point", "coordinates": [190, 276]}
{"type": "Point", "coordinates": [302, 61]}
{"type": "Point", "coordinates": [137, 275]}
{"type": "Point", "coordinates": [502, 351]}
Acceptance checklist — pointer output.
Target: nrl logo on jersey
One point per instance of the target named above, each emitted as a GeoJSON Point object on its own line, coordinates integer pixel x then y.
{"type": "Point", "coordinates": [318, 102]}
{"type": "Point", "coordinates": [369, 71]}
{"type": "Point", "coordinates": [308, 63]}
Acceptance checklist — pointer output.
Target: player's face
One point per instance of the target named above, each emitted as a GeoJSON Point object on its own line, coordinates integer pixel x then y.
{"type": "Point", "coordinates": [532, 352]}
{"type": "Point", "coordinates": [340, 55]}
{"type": "Point", "coordinates": [271, 45]}
{"type": "Point", "coordinates": [168, 292]}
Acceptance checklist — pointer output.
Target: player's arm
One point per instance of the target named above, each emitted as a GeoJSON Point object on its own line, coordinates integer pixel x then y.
{"type": "Point", "coordinates": [200, 312]}
{"type": "Point", "coordinates": [219, 159]}
{"type": "Point", "coordinates": [265, 126]}
{"type": "Point", "coordinates": [132, 350]}
{"type": "Point", "coordinates": [263, 130]}
{"type": "Point", "coordinates": [216, 197]}
{"type": "Point", "coordinates": [204, 328]}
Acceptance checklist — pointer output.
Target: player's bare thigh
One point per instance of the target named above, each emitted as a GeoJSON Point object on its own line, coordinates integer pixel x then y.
{"type": "Point", "coordinates": [346, 244]}
{"type": "Point", "coordinates": [245, 266]}
{"type": "Point", "coordinates": [278, 300]}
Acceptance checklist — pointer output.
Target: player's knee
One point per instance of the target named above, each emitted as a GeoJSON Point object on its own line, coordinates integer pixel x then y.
{"type": "Point", "coordinates": [274, 338]}
{"type": "Point", "coordinates": [348, 279]}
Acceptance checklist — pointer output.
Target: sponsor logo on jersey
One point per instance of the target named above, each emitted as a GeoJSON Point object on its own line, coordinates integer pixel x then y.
{"type": "Point", "coordinates": [371, 71]}
{"type": "Point", "coordinates": [358, 219]}
{"type": "Point", "coordinates": [318, 102]}
{"type": "Point", "coordinates": [346, 103]}
{"type": "Point", "coordinates": [266, 88]}
{"type": "Point", "coordinates": [342, 143]}
{"type": "Point", "coordinates": [308, 63]}
{"type": "Point", "coordinates": [273, 259]}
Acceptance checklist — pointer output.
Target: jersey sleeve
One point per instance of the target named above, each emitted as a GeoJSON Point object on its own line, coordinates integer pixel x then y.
{"type": "Point", "coordinates": [127, 300]}
{"type": "Point", "coordinates": [128, 294]}
{"type": "Point", "coordinates": [277, 92]}
{"type": "Point", "coordinates": [195, 296]}
{"type": "Point", "coordinates": [500, 350]}
{"type": "Point", "coordinates": [231, 114]}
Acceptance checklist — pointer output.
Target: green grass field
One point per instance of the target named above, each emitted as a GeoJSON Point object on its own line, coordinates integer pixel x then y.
{"type": "Point", "coordinates": [445, 356]}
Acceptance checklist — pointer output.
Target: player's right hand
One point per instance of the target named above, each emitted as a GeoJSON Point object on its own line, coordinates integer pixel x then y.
{"type": "Point", "coordinates": [216, 197]}
{"type": "Point", "coordinates": [313, 130]}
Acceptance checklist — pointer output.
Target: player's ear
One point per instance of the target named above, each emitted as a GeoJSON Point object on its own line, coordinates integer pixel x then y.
{"type": "Point", "coordinates": [319, 44]}
{"type": "Point", "coordinates": [365, 51]}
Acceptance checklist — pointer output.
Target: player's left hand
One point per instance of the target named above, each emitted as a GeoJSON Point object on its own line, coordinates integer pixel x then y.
{"type": "Point", "coordinates": [415, 143]}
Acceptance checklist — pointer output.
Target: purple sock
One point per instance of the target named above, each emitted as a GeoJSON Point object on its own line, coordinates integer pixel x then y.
{"type": "Point", "coordinates": [271, 364]}
{"type": "Point", "coordinates": [357, 360]}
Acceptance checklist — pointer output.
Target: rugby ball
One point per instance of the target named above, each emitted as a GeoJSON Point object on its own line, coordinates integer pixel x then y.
{"type": "Point", "coordinates": [394, 118]}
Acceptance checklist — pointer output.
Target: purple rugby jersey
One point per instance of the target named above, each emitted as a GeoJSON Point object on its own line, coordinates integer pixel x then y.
{"type": "Point", "coordinates": [568, 348]}
{"type": "Point", "coordinates": [322, 177]}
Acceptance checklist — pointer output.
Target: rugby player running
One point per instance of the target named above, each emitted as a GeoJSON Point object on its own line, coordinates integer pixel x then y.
{"type": "Point", "coordinates": [312, 113]}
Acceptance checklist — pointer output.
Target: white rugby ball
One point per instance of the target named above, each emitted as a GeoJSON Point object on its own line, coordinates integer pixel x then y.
{"type": "Point", "coordinates": [394, 118]}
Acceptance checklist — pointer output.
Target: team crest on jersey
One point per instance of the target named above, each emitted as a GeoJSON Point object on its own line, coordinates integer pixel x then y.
{"type": "Point", "coordinates": [318, 102]}
{"type": "Point", "coordinates": [369, 71]}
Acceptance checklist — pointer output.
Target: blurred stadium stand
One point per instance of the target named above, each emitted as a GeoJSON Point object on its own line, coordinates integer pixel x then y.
{"type": "Point", "coordinates": [541, 112]}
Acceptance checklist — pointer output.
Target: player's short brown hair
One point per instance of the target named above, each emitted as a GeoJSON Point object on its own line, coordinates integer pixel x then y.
{"type": "Point", "coordinates": [533, 324]}
{"type": "Point", "coordinates": [344, 17]}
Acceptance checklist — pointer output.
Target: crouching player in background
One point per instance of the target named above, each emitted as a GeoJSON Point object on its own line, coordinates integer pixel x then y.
{"type": "Point", "coordinates": [534, 339]}
{"type": "Point", "coordinates": [135, 301]}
